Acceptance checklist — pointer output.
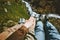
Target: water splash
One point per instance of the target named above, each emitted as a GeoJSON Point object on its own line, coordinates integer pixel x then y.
{"type": "Point", "coordinates": [32, 13]}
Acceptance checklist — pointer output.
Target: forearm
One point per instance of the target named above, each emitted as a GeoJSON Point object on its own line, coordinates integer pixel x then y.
{"type": "Point", "coordinates": [18, 30]}
{"type": "Point", "coordinates": [9, 31]}
{"type": "Point", "coordinates": [19, 34]}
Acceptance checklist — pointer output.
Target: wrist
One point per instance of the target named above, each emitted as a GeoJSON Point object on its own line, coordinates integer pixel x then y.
{"type": "Point", "coordinates": [24, 29]}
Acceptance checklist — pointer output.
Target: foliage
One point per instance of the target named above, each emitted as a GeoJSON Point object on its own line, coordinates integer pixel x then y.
{"type": "Point", "coordinates": [14, 12]}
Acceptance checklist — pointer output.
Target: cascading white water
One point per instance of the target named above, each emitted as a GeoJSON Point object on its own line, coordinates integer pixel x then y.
{"type": "Point", "coordinates": [54, 15]}
{"type": "Point", "coordinates": [32, 13]}
{"type": "Point", "coordinates": [28, 6]}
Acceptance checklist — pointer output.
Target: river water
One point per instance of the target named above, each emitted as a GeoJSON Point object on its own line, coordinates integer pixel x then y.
{"type": "Point", "coordinates": [48, 24]}
{"type": "Point", "coordinates": [32, 13]}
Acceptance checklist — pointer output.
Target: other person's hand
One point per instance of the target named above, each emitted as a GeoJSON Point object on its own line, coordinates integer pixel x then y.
{"type": "Point", "coordinates": [31, 22]}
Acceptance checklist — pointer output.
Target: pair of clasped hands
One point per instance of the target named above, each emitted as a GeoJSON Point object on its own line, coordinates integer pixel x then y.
{"type": "Point", "coordinates": [30, 23]}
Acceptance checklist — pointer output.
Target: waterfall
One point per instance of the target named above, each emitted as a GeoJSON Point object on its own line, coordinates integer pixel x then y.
{"type": "Point", "coordinates": [32, 13]}
{"type": "Point", "coordinates": [54, 15]}
{"type": "Point", "coordinates": [48, 24]}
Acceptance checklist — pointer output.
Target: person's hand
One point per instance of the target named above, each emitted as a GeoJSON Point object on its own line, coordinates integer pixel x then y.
{"type": "Point", "coordinates": [31, 22]}
{"type": "Point", "coordinates": [31, 28]}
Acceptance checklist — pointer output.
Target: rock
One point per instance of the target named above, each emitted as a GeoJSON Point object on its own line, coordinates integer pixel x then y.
{"type": "Point", "coordinates": [22, 20]}
{"type": "Point", "coordinates": [9, 21]}
{"type": "Point", "coordinates": [5, 9]}
{"type": "Point", "coordinates": [8, 2]}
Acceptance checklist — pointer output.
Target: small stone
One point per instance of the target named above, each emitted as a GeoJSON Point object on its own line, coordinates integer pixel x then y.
{"type": "Point", "coordinates": [5, 9]}
{"type": "Point", "coordinates": [8, 2]}
{"type": "Point", "coordinates": [9, 21]}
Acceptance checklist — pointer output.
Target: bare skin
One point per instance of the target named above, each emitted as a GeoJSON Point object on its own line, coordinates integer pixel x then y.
{"type": "Point", "coordinates": [29, 24]}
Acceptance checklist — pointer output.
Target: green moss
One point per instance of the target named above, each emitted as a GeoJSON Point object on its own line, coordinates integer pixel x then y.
{"type": "Point", "coordinates": [14, 12]}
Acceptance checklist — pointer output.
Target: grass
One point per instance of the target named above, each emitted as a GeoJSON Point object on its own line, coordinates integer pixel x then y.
{"type": "Point", "coordinates": [15, 12]}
